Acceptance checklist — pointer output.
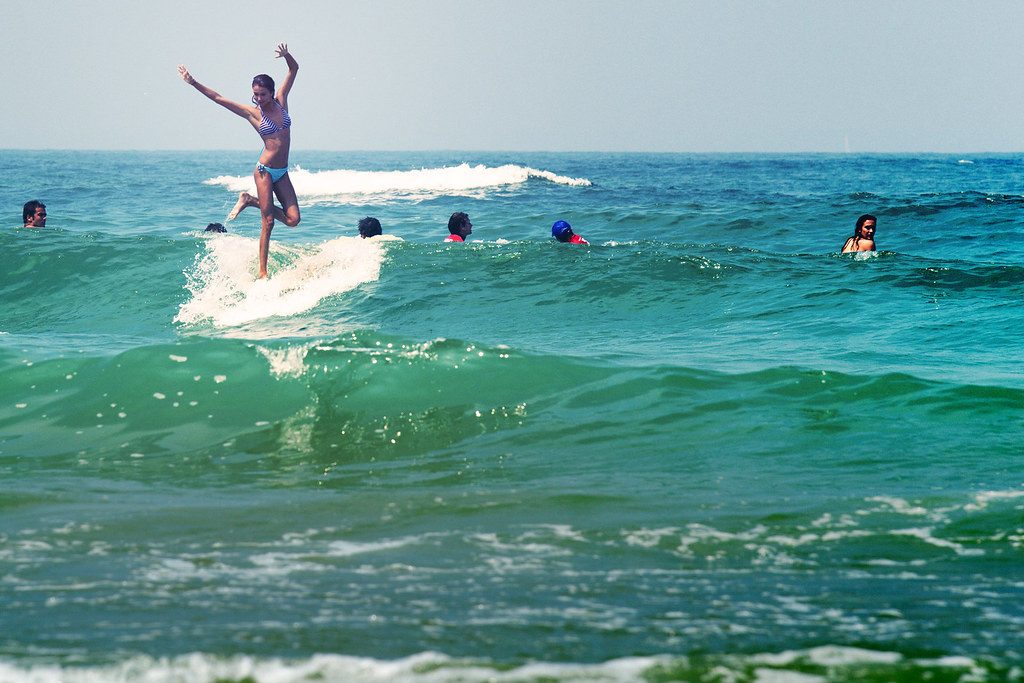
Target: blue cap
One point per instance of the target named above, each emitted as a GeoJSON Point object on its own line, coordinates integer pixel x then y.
{"type": "Point", "coordinates": [559, 228]}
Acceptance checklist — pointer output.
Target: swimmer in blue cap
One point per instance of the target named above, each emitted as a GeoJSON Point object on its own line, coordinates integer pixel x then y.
{"type": "Point", "coordinates": [562, 231]}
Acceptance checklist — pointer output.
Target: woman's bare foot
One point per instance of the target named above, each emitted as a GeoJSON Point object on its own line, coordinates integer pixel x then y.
{"type": "Point", "coordinates": [244, 199]}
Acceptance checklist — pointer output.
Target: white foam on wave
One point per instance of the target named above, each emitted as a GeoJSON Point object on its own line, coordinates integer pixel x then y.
{"type": "Point", "coordinates": [293, 554]}
{"type": "Point", "coordinates": [435, 667]}
{"type": "Point", "coordinates": [983, 498]}
{"type": "Point", "coordinates": [776, 676]}
{"type": "Point", "coordinates": [829, 655]}
{"type": "Point", "coordinates": [925, 534]}
{"type": "Point", "coordinates": [426, 667]}
{"type": "Point", "coordinates": [701, 533]}
{"type": "Point", "coordinates": [226, 293]}
{"type": "Point", "coordinates": [286, 362]}
{"type": "Point", "coordinates": [345, 184]}
{"type": "Point", "coordinates": [649, 538]}
{"type": "Point", "coordinates": [899, 505]}
{"type": "Point", "coordinates": [865, 255]}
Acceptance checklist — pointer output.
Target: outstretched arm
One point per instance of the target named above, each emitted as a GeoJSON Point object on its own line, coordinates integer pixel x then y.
{"type": "Point", "coordinates": [289, 79]}
{"type": "Point", "coordinates": [234, 107]}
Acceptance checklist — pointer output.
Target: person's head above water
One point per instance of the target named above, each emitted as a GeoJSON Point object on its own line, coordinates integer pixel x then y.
{"type": "Point", "coordinates": [865, 226]}
{"type": "Point", "coordinates": [215, 227]}
{"type": "Point", "coordinates": [460, 225]}
{"type": "Point", "coordinates": [33, 214]}
{"type": "Point", "coordinates": [561, 231]}
{"type": "Point", "coordinates": [369, 227]}
{"type": "Point", "coordinates": [863, 238]}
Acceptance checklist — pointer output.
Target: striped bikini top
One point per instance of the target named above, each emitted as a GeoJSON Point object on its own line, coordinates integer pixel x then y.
{"type": "Point", "coordinates": [268, 127]}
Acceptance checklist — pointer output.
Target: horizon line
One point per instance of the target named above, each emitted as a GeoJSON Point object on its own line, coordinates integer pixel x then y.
{"type": "Point", "coordinates": [512, 151]}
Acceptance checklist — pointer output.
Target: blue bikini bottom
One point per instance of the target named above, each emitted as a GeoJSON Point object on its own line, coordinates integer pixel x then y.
{"type": "Point", "coordinates": [275, 173]}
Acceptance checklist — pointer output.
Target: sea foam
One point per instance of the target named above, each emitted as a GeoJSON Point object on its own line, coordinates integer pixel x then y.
{"type": "Point", "coordinates": [344, 184]}
{"type": "Point", "coordinates": [225, 292]}
{"type": "Point", "coordinates": [429, 667]}
{"type": "Point", "coordinates": [822, 663]}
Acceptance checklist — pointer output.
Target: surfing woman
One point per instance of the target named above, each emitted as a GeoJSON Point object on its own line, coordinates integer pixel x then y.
{"type": "Point", "coordinates": [863, 238]}
{"type": "Point", "coordinates": [270, 118]}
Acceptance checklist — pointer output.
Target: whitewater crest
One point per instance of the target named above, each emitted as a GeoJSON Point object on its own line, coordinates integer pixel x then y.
{"type": "Point", "coordinates": [826, 662]}
{"type": "Point", "coordinates": [462, 180]}
{"type": "Point", "coordinates": [225, 292]}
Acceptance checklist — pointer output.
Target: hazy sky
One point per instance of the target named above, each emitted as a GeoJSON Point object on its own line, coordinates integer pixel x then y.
{"type": "Point", "coordinates": [644, 75]}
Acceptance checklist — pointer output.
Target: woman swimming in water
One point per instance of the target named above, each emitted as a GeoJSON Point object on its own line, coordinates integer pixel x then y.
{"type": "Point", "coordinates": [863, 238]}
{"type": "Point", "coordinates": [271, 120]}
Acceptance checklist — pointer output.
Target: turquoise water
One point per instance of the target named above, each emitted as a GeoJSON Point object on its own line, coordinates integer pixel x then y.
{"type": "Point", "coordinates": [706, 447]}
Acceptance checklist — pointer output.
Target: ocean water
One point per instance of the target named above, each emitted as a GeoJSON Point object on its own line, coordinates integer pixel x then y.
{"type": "Point", "coordinates": [707, 447]}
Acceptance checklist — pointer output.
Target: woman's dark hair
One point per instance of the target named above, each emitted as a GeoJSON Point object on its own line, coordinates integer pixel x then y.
{"type": "Point", "coordinates": [861, 221]}
{"type": "Point", "coordinates": [264, 81]}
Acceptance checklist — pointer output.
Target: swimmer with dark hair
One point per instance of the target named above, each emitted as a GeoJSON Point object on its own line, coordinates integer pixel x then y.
{"type": "Point", "coordinates": [369, 227]}
{"type": "Point", "coordinates": [863, 238]}
{"type": "Point", "coordinates": [459, 227]}
{"type": "Point", "coordinates": [33, 214]}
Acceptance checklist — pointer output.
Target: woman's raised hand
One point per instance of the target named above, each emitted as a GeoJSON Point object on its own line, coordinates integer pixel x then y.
{"type": "Point", "coordinates": [282, 49]}
{"type": "Point", "coordinates": [185, 75]}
